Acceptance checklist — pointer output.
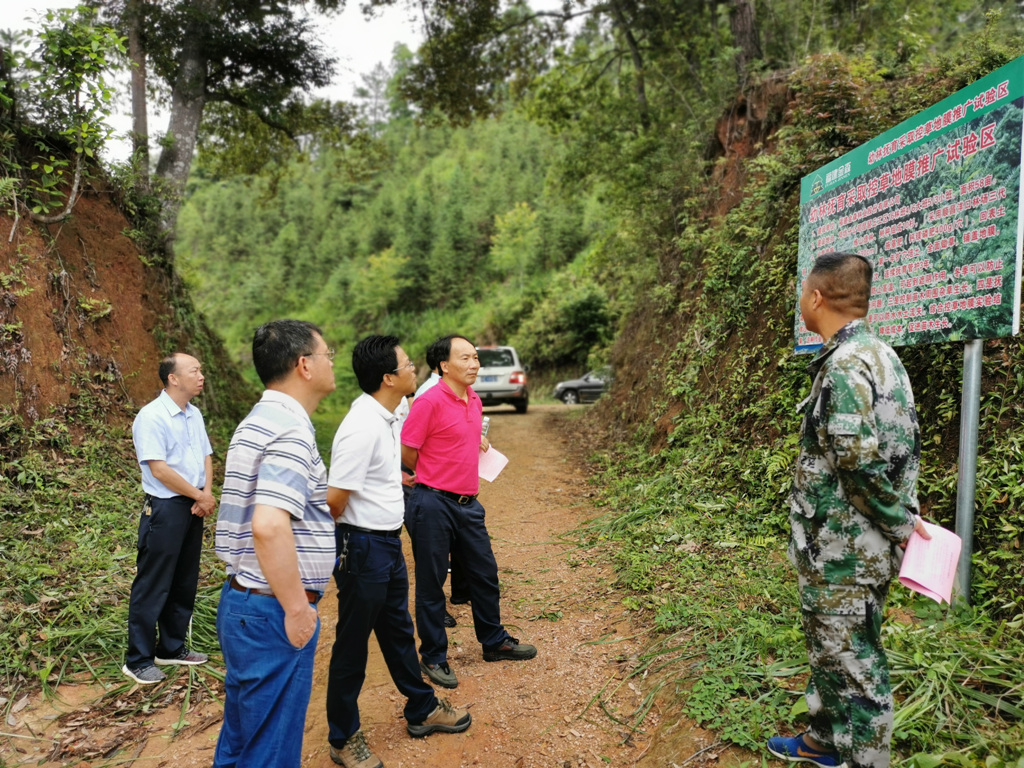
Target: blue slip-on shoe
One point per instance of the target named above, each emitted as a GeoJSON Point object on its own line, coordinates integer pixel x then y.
{"type": "Point", "coordinates": [795, 750]}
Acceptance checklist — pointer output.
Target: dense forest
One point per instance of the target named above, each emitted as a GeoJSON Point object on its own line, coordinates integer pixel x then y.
{"type": "Point", "coordinates": [611, 183]}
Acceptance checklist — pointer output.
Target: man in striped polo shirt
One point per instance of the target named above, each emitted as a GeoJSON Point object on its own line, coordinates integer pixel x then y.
{"type": "Point", "coordinates": [276, 534]}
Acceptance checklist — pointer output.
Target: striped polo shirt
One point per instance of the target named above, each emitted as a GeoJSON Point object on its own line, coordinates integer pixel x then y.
{"type": "Point", "coordinates": [273, 460]}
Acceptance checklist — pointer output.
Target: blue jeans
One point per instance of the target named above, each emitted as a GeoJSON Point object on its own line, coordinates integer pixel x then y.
{"type": "Point", "coordinates": [267, 685]}
{"type": "Point", "coordinates": [439, 526]}
{"type": "Point", "coordinates": [373, 595]}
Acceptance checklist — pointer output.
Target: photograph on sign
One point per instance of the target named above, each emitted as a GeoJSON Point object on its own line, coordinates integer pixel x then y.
{"type": "Point", "coordinates": [934, 204]}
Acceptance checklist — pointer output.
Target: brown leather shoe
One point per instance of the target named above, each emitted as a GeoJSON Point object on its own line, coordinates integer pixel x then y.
{"type": "Point", "coordinates": [355, 753]}
{"type": "Point", "coordinates": [445, 718]}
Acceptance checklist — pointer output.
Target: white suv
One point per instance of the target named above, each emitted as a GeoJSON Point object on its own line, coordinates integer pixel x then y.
{"type": "Point", "coordinates": [502, 378]}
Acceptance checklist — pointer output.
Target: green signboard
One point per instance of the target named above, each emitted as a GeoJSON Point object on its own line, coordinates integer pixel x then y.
{"type": "Point", "coordinates": [934, 203]}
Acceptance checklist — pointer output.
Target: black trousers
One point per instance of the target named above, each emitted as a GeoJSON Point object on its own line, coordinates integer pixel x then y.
{"type": "Point", "coordinates": [440, 526]}
{"type": "Point", "coordinates": [167, 575]}
{"type": "Point", "coordinates": [373, 596]}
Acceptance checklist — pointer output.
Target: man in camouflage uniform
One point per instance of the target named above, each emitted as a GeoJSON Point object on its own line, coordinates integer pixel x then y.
{"type": "Point", "coordinates": [854, 505]}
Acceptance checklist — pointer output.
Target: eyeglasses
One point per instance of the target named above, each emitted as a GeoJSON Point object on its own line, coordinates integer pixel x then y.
{"type": "Point", "coordinates": [410, 364]}
{"type": "Point", "coordinates": [329, 354]}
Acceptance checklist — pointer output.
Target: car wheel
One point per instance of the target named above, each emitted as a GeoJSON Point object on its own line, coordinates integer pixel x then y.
{"type": "Point", "coordinates": [569, 397]}
{"type": "Point", "coordinates": [520, 405]}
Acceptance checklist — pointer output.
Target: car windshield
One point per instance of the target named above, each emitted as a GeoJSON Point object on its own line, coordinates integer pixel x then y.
{"type": "Point", "coordinates": [495, 358]}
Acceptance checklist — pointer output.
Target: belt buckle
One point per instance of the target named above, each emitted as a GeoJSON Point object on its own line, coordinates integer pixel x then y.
{"type": "Point", "coordinates": [464, 499]}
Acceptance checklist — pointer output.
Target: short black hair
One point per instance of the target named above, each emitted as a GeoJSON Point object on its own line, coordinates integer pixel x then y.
{"type": "Point", "coordinates": [278, 345]}
{"type": "Point", "coordinates": [372, 358]}
{"type": "Point", "coordinates": [434, 356]}
{"type": "Point", "coordinates": [844, 279]}
{"type": "Point", "coordinates": [167, 367]}
{"type": "Point", "coordinates": [442, 349]}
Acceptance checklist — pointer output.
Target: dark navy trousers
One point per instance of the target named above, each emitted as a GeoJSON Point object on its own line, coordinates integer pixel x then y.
{"type": "Point", "coordinates": [167, 575]}
{"type": "Point", "coordinates": [373, 595]}
{"type": "Point", "coordinates": [440, 525]}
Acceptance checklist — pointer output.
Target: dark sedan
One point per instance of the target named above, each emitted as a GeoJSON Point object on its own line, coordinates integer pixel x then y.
{"type": "Point", "coordinates": [585, 389]}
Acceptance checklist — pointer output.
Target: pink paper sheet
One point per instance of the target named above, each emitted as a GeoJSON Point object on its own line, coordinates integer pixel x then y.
{"type": "Point", "coordinates": [929, 565]}
{"type": "Point", "coordinates": [491, 463]}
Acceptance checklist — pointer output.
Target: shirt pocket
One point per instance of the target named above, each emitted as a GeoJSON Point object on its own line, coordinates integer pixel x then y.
{"type": "Point", "coordinates": [853, 440]}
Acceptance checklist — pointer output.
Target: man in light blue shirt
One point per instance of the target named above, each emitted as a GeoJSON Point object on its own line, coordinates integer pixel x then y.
{"type": "Point", "coordinates": [174, 454]}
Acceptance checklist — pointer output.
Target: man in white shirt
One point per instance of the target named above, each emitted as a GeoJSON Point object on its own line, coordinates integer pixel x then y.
{"type": "Point", "coordinates": [365, 497]}
{"type": "Point", "coordinates": [177, 476]}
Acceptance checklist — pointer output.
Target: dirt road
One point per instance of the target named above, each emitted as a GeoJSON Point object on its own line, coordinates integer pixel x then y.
{"type": "Point", "coordinates": [553, 711]}
{"type": "Point", "coordinates": [525, 714]}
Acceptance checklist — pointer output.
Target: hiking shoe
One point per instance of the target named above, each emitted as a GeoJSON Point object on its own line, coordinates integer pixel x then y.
{"type": "Point", "coordinates": [795, 750]}
{"type": "Point", "coordinates": [445, 718]}
{"type": "Point", "coordinates": [440, 674]}
{"type": "Point", "coordinates": [355, 753]}
{"type": "Point", "coordinates": [145, 675]}
{"type": "Point", "coordinates": [510, 650]}
{"type": "Point", "coordinates": [184, 657]}
{"type": "Point", "coordinates": [449, 620]}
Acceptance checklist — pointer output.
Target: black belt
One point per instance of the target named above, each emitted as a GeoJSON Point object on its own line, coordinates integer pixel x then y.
{"type": "Point", "coordinates": [313, 597]}
{"type": "Point", "coordinates": [356, 529]}
{"type": "Point", "coordinates": [457, 498]}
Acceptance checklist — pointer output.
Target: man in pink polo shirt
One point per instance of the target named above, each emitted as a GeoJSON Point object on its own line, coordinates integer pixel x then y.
{"type": "Point", "coordinates": [441, 441]}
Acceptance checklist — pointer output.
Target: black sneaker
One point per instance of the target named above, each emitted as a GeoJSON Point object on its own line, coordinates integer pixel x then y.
{"type": "Point", "coordinates": [440, 674]}
{"type": "Point", "coordinates": [510, 650]}
{"type": "Point", "coordinates": [449, 620]}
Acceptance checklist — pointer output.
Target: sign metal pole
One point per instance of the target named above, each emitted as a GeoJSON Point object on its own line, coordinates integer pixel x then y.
{"type": "Point", "coordinates": [970, 406]}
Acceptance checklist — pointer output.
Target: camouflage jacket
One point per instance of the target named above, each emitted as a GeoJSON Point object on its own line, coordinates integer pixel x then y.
{"type": "Point", "coordinates": [855, 490]}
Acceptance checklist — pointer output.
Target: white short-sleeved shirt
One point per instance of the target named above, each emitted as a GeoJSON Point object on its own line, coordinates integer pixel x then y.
{"type": "Point", "coordinates": [431, 381]}
{"type": "Point", "coordinates": [273, 460]}
{"type": "Point", "coordinates": [366, 460]}
{"type": "Point", "coordinates": [163, 432]}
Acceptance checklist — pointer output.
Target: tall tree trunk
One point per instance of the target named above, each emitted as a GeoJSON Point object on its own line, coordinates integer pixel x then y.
{"type": "Point", "coordinates": [140, 118]}
{"type": "Point", "coordinates": [188, 99]}
{"type": "Point", "coordinates": [744, 33]}
{"type": "Point", "coordinates": [640, 84]}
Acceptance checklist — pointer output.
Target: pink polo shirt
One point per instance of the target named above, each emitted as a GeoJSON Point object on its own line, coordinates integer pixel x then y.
{"type": "Point", "coordinates": [446, 432]}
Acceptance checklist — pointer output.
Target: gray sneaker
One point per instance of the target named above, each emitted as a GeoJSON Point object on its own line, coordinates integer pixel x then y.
{"type": "Point", "coordinates": [440, 674]}
{"type": "Point", "coordinates": [445, 718]}
{"type": "Point", "coordinates": [145, 675]}
{"type": "Point", "coordinates": [355, 753]}
{"type": "Point", "coordinates": [184, 657]}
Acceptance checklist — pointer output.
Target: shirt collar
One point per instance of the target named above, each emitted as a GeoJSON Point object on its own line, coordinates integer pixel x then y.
{"type": "Point", "coordinates": [369, 401]}
{"type": "Point", "coordinates": [289, 403]}
{"type": "Point", "coordinates": [847, 332]}
{"type": "Point", "coordinates": [173, 409]}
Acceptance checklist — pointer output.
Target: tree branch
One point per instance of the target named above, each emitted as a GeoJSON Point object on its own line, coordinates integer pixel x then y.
{"type": "Point", "coordinates": [72, 198]}
{"type": "Point", "coordinates": [267, 120]}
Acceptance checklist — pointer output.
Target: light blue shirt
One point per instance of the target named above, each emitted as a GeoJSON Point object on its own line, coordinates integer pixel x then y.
{"type": "Point", "coordinates": [164, 432]}
{"type": "Point", "coordinates": [432, 379]}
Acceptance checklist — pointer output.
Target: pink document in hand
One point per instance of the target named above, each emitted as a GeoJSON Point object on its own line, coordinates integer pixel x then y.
{"type": "Point", "coordinates": [491, 464]}
{"type": "Point", "coordinates": [929, 565]}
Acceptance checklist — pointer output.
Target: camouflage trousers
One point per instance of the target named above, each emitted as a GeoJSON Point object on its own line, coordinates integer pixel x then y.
{"type": "Point", "coordinates": [848, 695]}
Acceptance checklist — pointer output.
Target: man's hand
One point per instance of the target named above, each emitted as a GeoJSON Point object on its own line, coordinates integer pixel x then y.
{"type": "Point", "coordinates": [300, 625]}
{"type": "Point", "coordinates": [920, 529]}
{"type": "Point", "coordinates": [485, 444]}
{"type": "Point", "coordinates": [205, 505]}
{"type": "Point", "coordinates": [408, 479]}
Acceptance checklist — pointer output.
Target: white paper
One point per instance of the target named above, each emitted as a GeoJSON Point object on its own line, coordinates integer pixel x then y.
{"type": "Point", "coordinates": [491, 464]}
{"type": "Point", "coordinates": [929, 565]}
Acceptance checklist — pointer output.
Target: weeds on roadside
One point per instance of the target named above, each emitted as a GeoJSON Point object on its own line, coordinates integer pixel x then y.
{"type": "Point", "coordinates": [69, 503]}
